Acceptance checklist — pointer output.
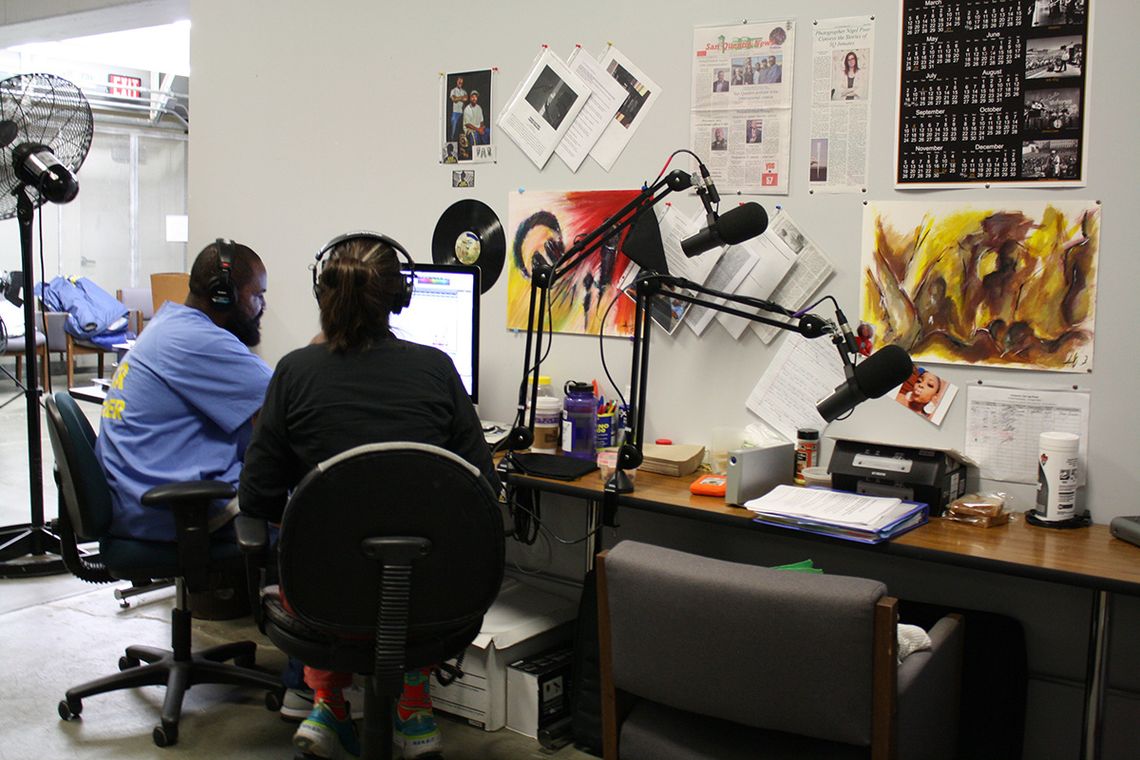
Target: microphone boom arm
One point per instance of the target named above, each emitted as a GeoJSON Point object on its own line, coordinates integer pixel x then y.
{"type": "Point", "coordinates": [543, 277]}
{"type": "Point", "coordinates": [649, 287]}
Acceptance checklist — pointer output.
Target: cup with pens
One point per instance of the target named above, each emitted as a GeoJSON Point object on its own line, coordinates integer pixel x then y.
{"type": "Point", "coordinates": [606, 436]}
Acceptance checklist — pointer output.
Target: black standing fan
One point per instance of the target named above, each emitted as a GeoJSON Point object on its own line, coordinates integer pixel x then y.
{"type": "Point", "coordinates": [45, 132]}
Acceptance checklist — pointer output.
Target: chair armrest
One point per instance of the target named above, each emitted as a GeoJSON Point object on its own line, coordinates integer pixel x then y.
{"type": "Point", "coordinates": [252, 533]}
{"type": "Point", "coordinates": [175, 494]}
{"type": "Point", "coordinates": [929, 688]}
{"type": "Point", "coordinates": [253, 540]}
{"type": "Point", "coordinates": [189, 502]}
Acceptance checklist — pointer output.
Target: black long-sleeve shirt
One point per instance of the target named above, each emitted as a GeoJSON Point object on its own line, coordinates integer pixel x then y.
{"type": "Point", "coordinates": [321, 403]}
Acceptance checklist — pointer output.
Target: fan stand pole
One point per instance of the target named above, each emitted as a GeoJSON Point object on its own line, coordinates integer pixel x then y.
{"type": "Point", "coordinates": [26, 550]}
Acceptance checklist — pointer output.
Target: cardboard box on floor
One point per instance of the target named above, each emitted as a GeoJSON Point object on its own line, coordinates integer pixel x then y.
{"type": "Point", "coordinates": [538, 690]}
{"type": "Point", "coordinates": [523, 621]}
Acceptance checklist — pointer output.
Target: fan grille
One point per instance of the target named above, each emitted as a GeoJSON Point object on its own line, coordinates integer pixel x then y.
{"type": "Point", "coordinates": [42, 109]}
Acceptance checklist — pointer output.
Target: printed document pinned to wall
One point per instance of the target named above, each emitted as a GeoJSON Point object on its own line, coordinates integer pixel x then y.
{"type": "Point", "coordinates": [742, 104]}
{"type": "Point", "coordinates": [840, 104]}
{"type": "Point", "coordinates": [607, 95]}
{"type": "Point", "coordinates": [543, 108]}
{"type": "Point", "coordinates": [641, 92]}
{"type": "Point", "coordinates": [807, 274]}
{"type": "Point", "coordinates": [802, 372]}
{"type": "Point", "coordinates": [1003, 426]}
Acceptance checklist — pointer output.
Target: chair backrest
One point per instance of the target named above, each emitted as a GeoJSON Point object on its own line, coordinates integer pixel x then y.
{"type": "Point", "coordinates": [137, 299]}
{"type": "Point", "coordinates": [86, 495]}
{"type": "Point", "coordinates": [766, 648]}
{"type": "Point", "coordinates": [56, 334]}
{"type": "Point", "coordinates": [168, 286]}
{"type": "Point", "coordinates": [391, 489]}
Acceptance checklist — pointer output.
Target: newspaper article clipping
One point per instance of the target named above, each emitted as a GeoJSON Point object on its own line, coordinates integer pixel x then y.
{"type": "Point", "coordinates": [840, 104]}
{"type": "Point", "coordinates": [742, 104]}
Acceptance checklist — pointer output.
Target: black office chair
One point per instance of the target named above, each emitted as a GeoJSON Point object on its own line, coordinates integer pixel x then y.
{"type": "Point", "coordinates": [85, 516]}
{"type": "Point", "coordinates": [389, 555]}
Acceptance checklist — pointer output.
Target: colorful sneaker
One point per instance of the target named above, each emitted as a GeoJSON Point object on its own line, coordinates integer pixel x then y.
{"type": "Point", "coordinates": [418, 736]}
{"type": "Point", "coordinates": [322, 735]}
{"type": "Point", "coordinates": [415, 730]}
{"type": "Point", "coordinates": [298, 703]}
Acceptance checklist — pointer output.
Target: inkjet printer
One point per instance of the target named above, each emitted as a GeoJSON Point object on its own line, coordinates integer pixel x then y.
{"type": "Point", "coordinates": [928, 475]}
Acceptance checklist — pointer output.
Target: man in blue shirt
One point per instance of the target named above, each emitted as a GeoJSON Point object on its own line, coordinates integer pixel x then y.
{"type": "Point", "coordinates": [182, 402]}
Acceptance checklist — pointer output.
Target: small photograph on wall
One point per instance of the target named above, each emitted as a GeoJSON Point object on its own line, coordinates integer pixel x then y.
{"type": "Point", "coordinates": [927, 395]}
{"type": "Point", "coordinates": [1002, 284]}
{"type": "Point", "coordinates": [466, 117]}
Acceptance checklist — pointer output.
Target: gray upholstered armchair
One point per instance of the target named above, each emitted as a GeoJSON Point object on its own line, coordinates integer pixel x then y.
{"type": "Point", "coordinates": [702, 658]}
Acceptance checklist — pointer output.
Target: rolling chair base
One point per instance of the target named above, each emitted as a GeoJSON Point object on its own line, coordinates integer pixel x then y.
{"type": "Point", "coordinates": [162, 668]}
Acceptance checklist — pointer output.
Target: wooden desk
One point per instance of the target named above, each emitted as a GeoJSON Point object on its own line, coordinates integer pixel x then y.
{"type": "Point", "coordinates": [1087, 558]}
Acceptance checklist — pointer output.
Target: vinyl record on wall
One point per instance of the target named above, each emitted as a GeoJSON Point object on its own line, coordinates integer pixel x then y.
{"type": "Point", "coordinates": [469, 232]}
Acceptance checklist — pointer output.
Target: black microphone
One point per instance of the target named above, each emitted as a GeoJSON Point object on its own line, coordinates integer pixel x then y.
{"type": "Point", "coordinates": [37, 166]}
{"type": "Point", "coordinates": [734, 226]}
{"type": "Point", "coordinates": [881, 371]}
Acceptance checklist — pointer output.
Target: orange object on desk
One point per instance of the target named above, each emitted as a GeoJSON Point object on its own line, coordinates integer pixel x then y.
{"type": "Point", "coordinates": [709, 485]}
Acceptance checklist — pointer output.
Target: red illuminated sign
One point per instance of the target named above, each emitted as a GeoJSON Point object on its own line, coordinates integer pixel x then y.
{"type": "Point", "coordinates": [124, 86]}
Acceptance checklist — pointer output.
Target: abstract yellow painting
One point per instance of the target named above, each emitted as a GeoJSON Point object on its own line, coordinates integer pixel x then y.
{"type": "Point", "coordinates": [1000, 284]}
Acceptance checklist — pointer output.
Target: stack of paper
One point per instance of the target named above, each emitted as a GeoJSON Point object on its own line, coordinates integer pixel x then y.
{"type": "Point", "coordinates": [672, 459]}
{"type": "Point", "coordinates": [855, 517]}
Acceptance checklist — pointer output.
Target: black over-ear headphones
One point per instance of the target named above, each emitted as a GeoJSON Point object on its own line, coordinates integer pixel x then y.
{"type": "Point", "coordinates": [220, 289]}
{"type": "Point", "coordinates": [407, 279]}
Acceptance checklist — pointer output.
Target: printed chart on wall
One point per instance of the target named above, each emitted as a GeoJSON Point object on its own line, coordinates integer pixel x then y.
{"type": "Point", "coordinates": [992, 92]}
{"type": "Point", "coordinates": [840, 104]}
{"type": "Point", "coordinates": [742, 104]}
{"type": "Point", "coordinates": [1002, 284]}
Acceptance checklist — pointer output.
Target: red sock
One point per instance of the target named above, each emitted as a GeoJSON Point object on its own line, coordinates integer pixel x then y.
{"type": "Point", "coordinates": [416, 694]}
{"type": "Point", "coordinates": [334, 698]}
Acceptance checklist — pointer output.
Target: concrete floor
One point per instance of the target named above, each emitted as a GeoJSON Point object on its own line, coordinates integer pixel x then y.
{"type": "Point", "coordinates": [58, 631]}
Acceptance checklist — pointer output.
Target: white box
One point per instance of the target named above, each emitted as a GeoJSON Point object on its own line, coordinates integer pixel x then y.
{"type": "Point", "coordinates": [538, 690]}
{"type": "Point", "coordinates": [522, 621]}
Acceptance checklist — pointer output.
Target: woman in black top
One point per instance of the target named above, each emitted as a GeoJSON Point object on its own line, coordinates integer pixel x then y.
{"type": "Point", "coordinates": [357, 384]}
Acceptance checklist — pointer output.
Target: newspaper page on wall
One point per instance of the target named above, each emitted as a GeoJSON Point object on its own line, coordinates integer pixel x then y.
{"type": "Point", "coordinates": [807, 274]}
{"type": "Point", "coordinates": [840, 104]}
{"type": "Point", "coordinates": [742, 104]}
{"type": "Point", "coordinates": [993, 92]}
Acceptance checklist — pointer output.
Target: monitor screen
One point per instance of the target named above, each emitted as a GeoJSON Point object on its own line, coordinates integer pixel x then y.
{"type": "Point", "coordinates": [444, 313]}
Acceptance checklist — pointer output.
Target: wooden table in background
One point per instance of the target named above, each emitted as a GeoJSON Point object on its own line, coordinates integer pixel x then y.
{"type": "Point", "coordinates": [1087, 557]}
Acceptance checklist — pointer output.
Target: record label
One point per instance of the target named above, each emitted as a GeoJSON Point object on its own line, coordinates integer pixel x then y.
{"type": "Point", "coordinates": [468, 247]}
{"type": "Point", "coordinates": [469, 233]}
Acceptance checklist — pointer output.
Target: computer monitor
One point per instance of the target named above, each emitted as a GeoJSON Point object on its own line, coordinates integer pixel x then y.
{"type": "Point", "coordinates": [444, 313]}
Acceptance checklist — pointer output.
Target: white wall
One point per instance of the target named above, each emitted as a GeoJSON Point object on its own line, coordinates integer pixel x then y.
{"type": "Point", "coordinates": [312, 120]}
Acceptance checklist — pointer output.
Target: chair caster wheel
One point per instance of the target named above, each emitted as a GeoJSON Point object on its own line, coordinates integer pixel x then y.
{"type": "Point", "coordinates": [126, 663]}
{"type": "Point", "coordinates": [273, 700]}
{"type": "Point", "coordinates": [165, 735]}
{"type": "Point", "coordinates": [69, 710]}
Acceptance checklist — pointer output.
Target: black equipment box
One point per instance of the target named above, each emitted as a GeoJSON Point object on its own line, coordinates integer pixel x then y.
{"type": "Point", "coordinates": [931, 476]}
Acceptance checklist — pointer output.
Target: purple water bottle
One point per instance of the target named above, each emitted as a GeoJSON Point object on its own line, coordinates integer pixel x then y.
{"type": "Point", "coordinates": [579, 420]}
